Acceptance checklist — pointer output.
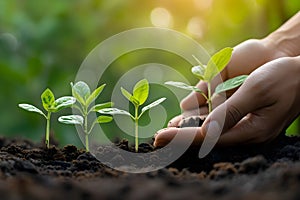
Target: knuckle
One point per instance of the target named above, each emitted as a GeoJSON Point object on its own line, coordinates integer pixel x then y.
{"type": "Point", "coordinates": [233, 115]}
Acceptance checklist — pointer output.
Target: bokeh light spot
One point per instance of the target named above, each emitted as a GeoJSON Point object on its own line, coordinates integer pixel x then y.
{"type": "Point", "coordinates": [161, 17]}
{"type": "Point", "coordinates": [195, 27]}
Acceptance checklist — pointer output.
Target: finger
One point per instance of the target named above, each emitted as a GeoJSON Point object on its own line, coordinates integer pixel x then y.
{"type": "Point", "coordinates": [165, 136]}
{"type": "Point", "coordinates": [244, 101]}
{"type": "Point", "coordinates": [177, 120]}
{"type": "Point", "coordinates": [174, 122]}
{"type": "Point", "coordinates": [218, 99]}
{"type": "Point", "coordinates": [194, 99]}
{"type": "Point", "coordinates": [203, 110]}
{"type": "Point", "coordinates": [219, 120]}
{"type": "Point", "coordinates": [251, 129]}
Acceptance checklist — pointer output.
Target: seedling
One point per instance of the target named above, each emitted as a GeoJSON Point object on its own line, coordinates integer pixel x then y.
{"type": "Point", "coordinates": [207, 72]}
{"type": "Point", "coordinates": [85, 98]}
{"type": "Point", "coordinates": [137, 98]}
{"type": "Point", "coordinates": [51, 106]}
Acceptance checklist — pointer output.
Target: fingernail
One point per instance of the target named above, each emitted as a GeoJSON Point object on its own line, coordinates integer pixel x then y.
{"type": "Point", "coordinates": [213, 129]}
{"type": "Point", "coordinates": [158, 132]}
{"type": "Point", "coordinates": [212, 136]}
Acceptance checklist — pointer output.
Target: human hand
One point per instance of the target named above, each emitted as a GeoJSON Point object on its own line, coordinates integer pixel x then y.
{"type": "Point", "coordinates": [257, 112]}
{"type": "Point", "coordinates": [246, 57]}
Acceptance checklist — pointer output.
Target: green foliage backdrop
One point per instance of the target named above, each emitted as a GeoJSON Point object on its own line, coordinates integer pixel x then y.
{"type": "Point", "coordinates": [42, 43]}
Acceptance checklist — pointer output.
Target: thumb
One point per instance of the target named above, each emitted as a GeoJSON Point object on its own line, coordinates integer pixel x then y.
{"type": "Point", "coordinates": [228, 114]}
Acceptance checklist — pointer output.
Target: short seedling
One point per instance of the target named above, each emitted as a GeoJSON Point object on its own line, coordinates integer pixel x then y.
{"type": "Point", "coordinates": [85, 98]}
{"type": "Point", "coordinates": [51, 106]}
{"type": "Point", "coordinates": [207, 72]}
{"type": "Point", "coordinates": [137, 98]}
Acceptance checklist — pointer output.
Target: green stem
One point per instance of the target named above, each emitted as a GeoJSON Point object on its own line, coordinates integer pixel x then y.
{"type": "Point", "coordinates": [48, 130]}
{"type": "Point", "coordinates": [87, 143]}
{"type": "Point", "coordinates": [86, 131]}
{"type": "Point", "coordinates": [136, 119]}
{"type": "Point", "coordinates": [209, 97]}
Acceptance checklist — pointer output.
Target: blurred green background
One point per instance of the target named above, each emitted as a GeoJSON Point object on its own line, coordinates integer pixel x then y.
{"type": "Point", "coordinates": [43, 43]}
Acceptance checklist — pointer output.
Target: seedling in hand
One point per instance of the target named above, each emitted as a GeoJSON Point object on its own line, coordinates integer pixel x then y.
{"type": "Point", "coordinates": [51, 106]}
{"type": "Point", "coordinates": [137, 98]}
{"type": "Point", "coordinates": [85, 98]}
{"type": "Point", "coordinates": [207, 72]}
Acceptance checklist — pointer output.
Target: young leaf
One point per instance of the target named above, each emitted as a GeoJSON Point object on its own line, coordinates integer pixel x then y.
{"type": "Point", "coordinates": [82, 89]}
{"type": "Point", "coordinates": [183, 86]}
{"type": "Point", "coordinates": [153, 104]}
{"type": "Point", "coordinates": [71, 119]}
{"type": "Point", "coordinates": [141, 91]}
{"type": "Point", "coordinates": [77, 95]}
{"type": "Point", "coordinates": [126, 94]}
{"type": "Point", "coordinates": [94, 95]}
{"type": "Point", "coordinates": [100, 120]}
{"type": "Point", "coordinates": [199, 71]}
{"type": "Point", "coordinates": [31, 108]}
{"type": "Point", "coordinates": [217, 63]}
{"type": "Point", "coordinates": [114, 111]}
{"type": "Point", "coordinates": [104, 119]}
{"type": "Point", "coordinates": [98, 107]}
{"type": "Point", "coordinates": [230, 84]}
{"type": "Point", "coordinates": [64, 102]}
{"type": "Point", "coordinates": [48, 99]}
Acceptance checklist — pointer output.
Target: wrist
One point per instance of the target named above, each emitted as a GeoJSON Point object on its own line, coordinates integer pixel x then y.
{"type": "Point", "coordinates": [284, 42]}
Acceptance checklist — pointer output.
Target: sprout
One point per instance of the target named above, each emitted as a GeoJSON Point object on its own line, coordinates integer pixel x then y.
{"type": "Point", "coordinates": [207, 72]}
{"type": "Point", "coordinates": [85, 98]}
{"type": "Point", "coordinates": [51, 106]}
{"type": "Point", "coordinates": [137, 98]}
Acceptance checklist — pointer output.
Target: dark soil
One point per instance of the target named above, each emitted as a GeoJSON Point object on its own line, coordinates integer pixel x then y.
{"type": "Point", "coordinates": [270, 171]}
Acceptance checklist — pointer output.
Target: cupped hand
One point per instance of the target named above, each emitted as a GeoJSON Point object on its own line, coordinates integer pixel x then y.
{"type": "Point", "coordinates": [257, 112]}
{"type": "Point", "coordinates": [246, 57]}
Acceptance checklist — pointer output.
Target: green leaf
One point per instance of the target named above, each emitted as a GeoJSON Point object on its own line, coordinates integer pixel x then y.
{"type": "Point", "coordinates": [126, 94]}
{"type": "Point", "coordinates": [186, 87]}
{"type": "Point", "coordinates": [82, 89]}
{"type": "Point", "coordinates": [153, 104]}
{"type": "Point", "coordinates": [98, 107]}
{"type": "Point", "coordinates": [217, 63]}
{"type": "Point", "coordinates": [94, 94]}
{"type": "Point", "coordinates": [77, 95]}
{"type": "Point", "coordinates": [100, 120]}
{"type": "Point", "coordinates": [71, 119]}
{"type": "Point", "coordinates": [199, 71]}
{"type": "Point", "coordinates": [104, 119]}
{"type": "Point", "coordinates": [114, 111]}
{"type": "Point", "coordinates": [183, 86]}
{"type": "Point", "coordinates": [48, 99]}
{"type": "Point", "coordinates": [141, 91]}
{"type": "Point", "coordinates": [31, 108]}
{"type": "Point", "coordinates": [230, 84]}
{"type": "Point", "coordinates": [64, 102]}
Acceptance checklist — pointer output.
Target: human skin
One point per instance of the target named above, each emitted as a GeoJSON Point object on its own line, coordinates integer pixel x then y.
{"type": "Point", "coordinates": [260, 109]}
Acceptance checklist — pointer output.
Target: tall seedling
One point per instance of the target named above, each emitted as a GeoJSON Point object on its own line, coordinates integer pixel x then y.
{"type": "Point", "coordinates": [51, 106]}
{"type": "Point", "coordinates": [208, 72]}
{"type": "Point", "coordinates": [137, 98]}
{"type": "Point", "coordinates": [85, 98]}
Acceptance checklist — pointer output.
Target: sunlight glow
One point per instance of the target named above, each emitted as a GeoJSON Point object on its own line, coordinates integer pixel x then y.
{"type": "Point", "coordinates": [203, 4]}
{"type": "Point", "coordinates": [195, 27]}
{"type": "Point", "coordinates": [161, 17]}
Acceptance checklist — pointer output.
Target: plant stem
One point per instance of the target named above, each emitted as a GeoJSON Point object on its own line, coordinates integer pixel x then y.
{"type": "Point", "coordinates": [86, 131]}
{"type": "Point", "coordinates": [48, 130]}
{"type": "Point", "coordinates": [136, 119]}
{"type": "Point", "coordinates": [87, 143]}
{"type": "Point", "coordinates": [209, 97]}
